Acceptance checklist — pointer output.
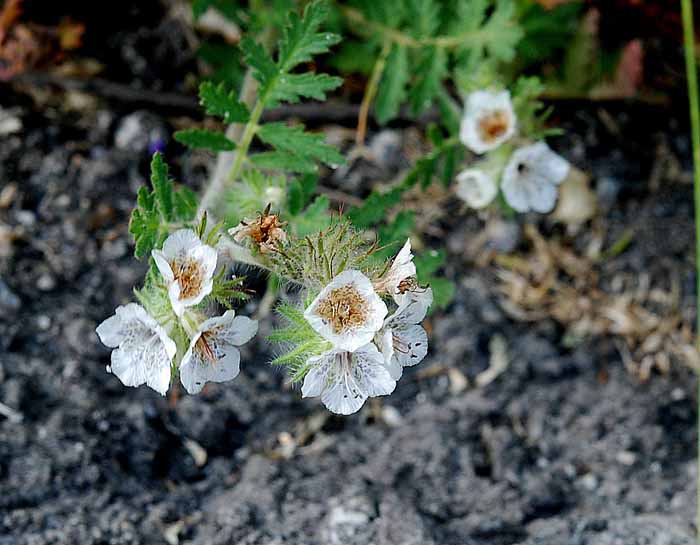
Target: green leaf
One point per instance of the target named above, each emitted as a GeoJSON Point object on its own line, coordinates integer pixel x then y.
{"type": "Point", "coordinates": [301, 39]}
{"type": "Point", "coordinates": [293, 87]}
{"type": "Point", "coordinates": [264, 68]}
{"type": "Point", "coordinates": [375, 207]}
{"type": "Point", "coordinates": [280, 160]}
{"type": "Point", "coordinates": [314, 218]}
{"type": "Point", "coordinates": [431, 71]}
{"type": "Point", "coordinates": [155, 210]}
{"type": "Point", "coordinates": [202, 138]}
{"type": "Point", "coordinates": [423, 16]}
{"type": "Point", "coordinates": [502, 24]}
{"type": "Point", "coordinates": [185, 204]}
{"type": "Point", "coordinates": [293, 139]}
{"type": "Point", "coordinates": [443, 291]}
{"type": "Point", "coordinates": [392, 88]}
{"type": "Point", "coordinates": [218, 100]}
{"type": "Point", "coordinates": [162, 187]}
{"type": "Point", "coordinates": [300, 192]}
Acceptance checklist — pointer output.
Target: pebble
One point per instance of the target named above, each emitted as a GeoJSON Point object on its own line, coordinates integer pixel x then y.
{"type": "Point", "coordinates": [46, 282]}
{"type": "Point", "coordinates": [8, 300]}
{"type": "Point", "coordinates": [43, 322]}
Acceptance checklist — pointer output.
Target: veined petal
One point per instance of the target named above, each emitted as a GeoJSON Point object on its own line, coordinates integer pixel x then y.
{"type": "Point", "coordinates": [410, 344]}
{"type": "Point", "coordinates": [196, 370]}
{"type": "Point", "coordinates": [180, 243]}
{"type": "Point", "coordinates": [344, 380]}
{"type": "Point", "coordinates": [370, 373]}
{"type": "Point", "coordinates": [413, 306]}
{"type": "Point", "coordinates": [212, 355]}
{"type": "Point", "coordinates": [144, 351]}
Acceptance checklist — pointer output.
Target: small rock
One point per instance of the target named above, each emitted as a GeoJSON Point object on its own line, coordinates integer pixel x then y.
{"type": "Point", "coordinates": [8, 300]}
{"type": "Point", "coordinates": [46, 282]}
{"type": "Point", "coordinates": [140, 132]}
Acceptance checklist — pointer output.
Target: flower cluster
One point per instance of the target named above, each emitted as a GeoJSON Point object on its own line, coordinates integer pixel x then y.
{"type": "Point", "coordinates": [367, 350]}
{"type": "Point", "coordinates": [147, 344]}
{"type": "Point", "coordinates": [528, 178]}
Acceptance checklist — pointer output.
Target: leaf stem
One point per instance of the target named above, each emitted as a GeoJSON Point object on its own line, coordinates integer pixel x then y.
{"type": "Point", "coordinates": [370, 93]}
{"type": "Point", "coordinates": [463, 39]}
{"type": "Point", "coordinates": [694, 103]}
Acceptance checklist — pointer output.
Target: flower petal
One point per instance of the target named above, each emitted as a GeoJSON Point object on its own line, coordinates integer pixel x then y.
{"type": "Point", "coordinates": [476, 188]}
{"type": "Point", "coordinates": [231, 329]}
{"type": "Point", "coordinates": [196, 370]}
{"type": "Point", "coordinates": [163, 265]}
{"type": "Point", "coordinates": [413, 306]}
{"type": "Point", "coordinates": [370, 373]}
{"type": "Point", "coordinates": [316, 379]}
{"type": "Point", "coordinates": [111, 331]}
{"type": "Point", "coordinates": [179, 243]}
{"type": "Point", "coordinates": [410, 344]}
{"type": "Point", "coordinates": [480, 104]}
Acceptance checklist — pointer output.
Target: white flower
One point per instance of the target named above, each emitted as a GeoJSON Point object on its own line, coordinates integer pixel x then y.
{"type": "Point", "coordinates": [476, 187]}
{"type": "Point", "coordinates": [187, 265]}
{"type": "Point", "coordinates": [401, 268]}
{"type": "Point", "coordinates": [531, 177]}
{"type": "Point", "coordinates": [143, 351]}
{"type": "Point", "coordinates": [212, 355]}
{"type": "Point", "coordinates": [402, 341]}
{"type": "Point", "coordinates": [488, 121]}
{"type": "Point", "coordinates": [344, 380]}
{"type": "Point", "coordinates": [347, 312]}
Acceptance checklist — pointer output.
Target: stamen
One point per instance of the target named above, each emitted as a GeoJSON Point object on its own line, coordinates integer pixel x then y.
{"type": "Point", "coordinates": [189, 275]}
{"type": "Point", "coordinates": [344, 308]}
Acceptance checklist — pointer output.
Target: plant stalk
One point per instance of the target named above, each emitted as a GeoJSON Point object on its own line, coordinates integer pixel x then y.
{"type": "Point", "coordinates": [694, 103]}
{"type": "Point", "coordinates": [370, 93]}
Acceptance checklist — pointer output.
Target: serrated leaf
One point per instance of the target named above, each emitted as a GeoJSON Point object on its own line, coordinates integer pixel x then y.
{"type": "Point", "coordinates": [375, 207]}
{"type": "Point", "coordinates": [162, 187]}
{"type": "Point", "coordinates": [264, 68]}
{"type": "Point", "coordinates": [301, 39]}
{"type": "Point", "coordinates": [502, 24]}
{"type": "Point", "coordinates": [293, 87]}
{"type": "Point", "coordinates": [423, 16]}
{"type": "Point", "coordinates": [220, 101]}
{"type": "Point", "coordinates": [431, 70]}
{"type": "Point", "coordinates": [293, 139]}
{"type": "Point", "coordinates": [202, 138]}
{"type": "Point", "coordinates": [280, 160]}
{"type": "Point", "coordinates": [392, 88]}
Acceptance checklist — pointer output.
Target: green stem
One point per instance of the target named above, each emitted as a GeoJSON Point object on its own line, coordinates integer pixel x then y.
{"type": "Point", "coordinates": [469, 38]}
{"type": "Point", "coordinates": [248, 134]}
{"type": "Point", "coordinates": [691, 72]}
{"type": "Point", "coordinates": [370, 92]}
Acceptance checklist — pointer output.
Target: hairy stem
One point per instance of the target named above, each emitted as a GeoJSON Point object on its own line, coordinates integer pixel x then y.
{"type": "Point", "coordinates": [236, 132]}
{"type": "Point", "coordinates": [694, 102]}
{"type": "Point", "coordinates": [370, 93]}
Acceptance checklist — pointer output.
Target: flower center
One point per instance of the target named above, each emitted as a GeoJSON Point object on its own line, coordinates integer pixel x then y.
{"type": "Point", "coordinates": [493, 125]}
{"type": "Point", "coordinates": [189, 275]}
{"type": "Point", "coordinates": [343, 308]}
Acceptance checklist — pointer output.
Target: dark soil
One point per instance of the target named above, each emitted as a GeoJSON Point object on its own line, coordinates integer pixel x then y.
{"type": "Point", "coordinates": [565, 447]}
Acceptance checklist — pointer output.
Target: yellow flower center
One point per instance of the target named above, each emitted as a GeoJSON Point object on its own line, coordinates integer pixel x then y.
{"type": "Point", "coordinates": [493, 125]}
{"type": "Point", "coordinates": [189, 275]}
{"type": "Point", "coordinates": [343, 308]}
